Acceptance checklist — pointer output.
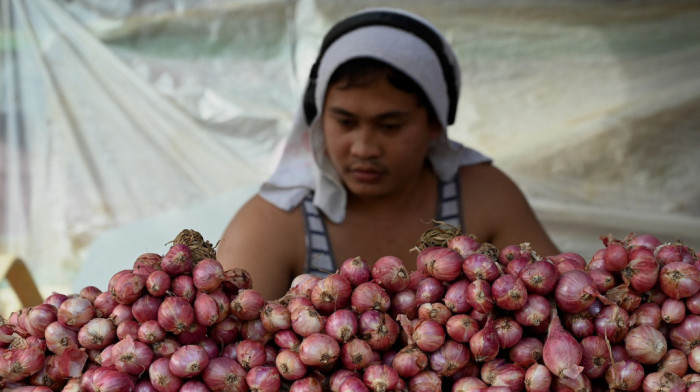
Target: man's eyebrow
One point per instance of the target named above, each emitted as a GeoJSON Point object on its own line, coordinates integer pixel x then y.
{"type": "Point", "coordinates": [382, 116]}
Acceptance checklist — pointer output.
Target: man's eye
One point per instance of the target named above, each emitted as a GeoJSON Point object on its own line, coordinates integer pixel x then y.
{"type": "Point", "coordinates": [391, 126]}
{"type": "Point", "coordinates": [344, 122]}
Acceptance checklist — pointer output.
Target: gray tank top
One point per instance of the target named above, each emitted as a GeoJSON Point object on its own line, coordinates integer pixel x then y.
{"type": "Point", "coordinates": [319, 255]}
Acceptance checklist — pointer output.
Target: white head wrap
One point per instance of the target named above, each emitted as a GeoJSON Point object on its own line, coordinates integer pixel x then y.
{"type": "Point", "coordinates": [304, 166]}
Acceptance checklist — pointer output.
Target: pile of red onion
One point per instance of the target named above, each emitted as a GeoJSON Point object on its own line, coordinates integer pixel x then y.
{"type": "Point", "coordinates": [471, 317]}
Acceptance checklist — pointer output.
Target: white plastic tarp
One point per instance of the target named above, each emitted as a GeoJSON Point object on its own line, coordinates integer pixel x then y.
{"type": "Point", "coordinates": [118, 116]}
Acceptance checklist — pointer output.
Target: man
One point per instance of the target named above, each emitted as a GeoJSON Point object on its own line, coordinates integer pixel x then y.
{"type": "Point", "coordinates": [368, 166]}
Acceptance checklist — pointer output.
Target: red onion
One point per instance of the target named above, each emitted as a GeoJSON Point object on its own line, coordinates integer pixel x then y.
{"type": "Point", "coordinates": [193, 334]}
{"type": "Point", "coordinates": [287, 339]}
{"type": "Point", "coordinates": [165, 348]}
{"type": "Point", "coordinates": [129, 287]}
{"type": "Point", "coordinates": [207, 275]}
{"type": "Point", "coordinates": [575, 291]}
{"type": "Point", "coordinates": [264, 379]}
{"type": "Point", "coordinates": [380, 378]}
{"type": "Point", "coordinates": [686, 335]}
{"type": "Point", "coordinates": [250, 354]}
{"type": "Point", "coordinates": [602, 279]}
{"type": "Point", "coordinates": [674, 361]}
{"type": "Point", "coordinates": [290, 365]}
{"type": "Point", "coordinates": [355, 270]}
{"type": "Point", "coordinates": [510, 376]}
{"type": "Point", "coordinates": [642, 271]}
{"type": "Point", "coordinates": [692, 303]}
{"type": "Point", "coordinates": [303, 284]}
{"type": "Point", "coordinates": [694, 359]}
{"type": "Point", "coordinates": [537, 378]}
{"type": "Point", "coordinates": [624, 296]}
{"type": "Point", "coordinates": [39, 317]}
{"type": "Point", "coordinates": [97, 334]}
{"type": "Point", "coordinates": [74, 312]}
{"type": "Point", "coordinates": [17, 364]}
{"type": "Point", "coordinates": [648, 241]}
{"type": "Point", "coordinates": [178, 260]}
{"type": "Point", "coordinates": [55, 299]}
{"type": "Point", "coordinates": [275, 317]}
{"type": "Point", "coordinates": [404, 302]}
{"type": "Point", "coordinates": [566, 384]}
{"type": "Point", "coordinates": [226, 331]}
{"type": "Point", "coordinates": [660, 381]}
{"type": "Point", "coordinates": [175, 314]}
{"type": "Point", "coordinates": [368, 296]}
{"type": "Point", "coordinates": [121, 313]}
{"type": "Point", "coordinates": [331, 293]}
{"type": "Point", "coordinates": [526, 352]}
{"type": "Point", "coordinates": [355, 354]}
{"type": "Point", "coordinates": [673, 311]}
{"type": "Point", "coordinates": [318, 349]}
{"type": "Point", "coordinates": [480, 266]}
{"type": "Point", "coordinates": [59, 337]}
{"type": "Point", "coordinates": [112, 381]}
{"type": "Point", "coordinates": [162, 378]}
{"type": "Point", "coordinates": [443, 264]}
{"type": "Point", "coordinates": [390, 273]}
{"type": "Point", "coordinates": [454, 297]}
{"type": "Point", "coordinates": [247, 304]}
{"type": "Point", "coordinates": [612, 322]}
{"type": "Point", "coordinates": [616, 257]}
{"type": "Point", "coordinates": [183, 286]}
{"type": "Point", "coordinates": [194, 386]}
{"type": "Point", "coordinates": [534, 312]}
{"type": "Point", "coordinates": [679, 280]}
{"type": "Point", "coordinates": [674, 253]}
{"type": "Point", "coordinates": [484, 344]}
{"type": "Point", "coordinates": [189, 361]}
{"type": "Point", "coordinates": [206, 309]}
{"type": "Point", "coordinates": [509, 292]}
{"type": "Point", "coordinates": [449, 358]}
{"type": "Point", "coordinates": [561, 352]}
{"type": "Point", "coordinates": [146, 308]}
{"type": "Point", "coordinates": [515, 267]}
{"type": "Point", "coordinates": [308, 384]}
{"type": "Point", "coordinates": [158, 283]}
{"type": "Point", "coordinates": [467, 384]}
{"type": "Point", "coordinates": [647, 314]}
{"type": "Point", "coordinates": [150, 332]}
{"type": "Point", "coordinates": [426, 380]}
{"type": "Point", "coordinates": [409, 361]}
{"type": "Point", "coordinates": [625, 375]}
{"type": "Point", "coordinates": [128, 328]}
{"type": "Point", "coordinates": [430, 290]}
{"type": "Point", "coordinates": [479, 296]}
{"type": "Point", "coordinates": [463, 244]}
{"type": "Point", "coordinates": [378, 329]}
{"type": "Point", "coordinates": [428, 335]}
{"type": "Point", "coordinates": [539, 277]}
{"type": "Point", "coordinates": [339, 376]}
{"type": "Point", "coordinates": [132, 357]}
{"type": "Point", "coordinates": [307, 321]}
{"type": "Point", "coordinates": [341, 325]}
{"type": "Point", "coordinates": [461, 327]}
{"type": "Point", "coordinates": [415, 277]}
{"type": "Point", "coordinates": [225, 374]}
{"type": "Point", "coordinates": [508, 331]}
{"type": "Point", "coordinates": [104, 304]}
{"type": "Point", "coordinates": [595, 357]}
{"type": "Point", "coordinates": [435, 311]}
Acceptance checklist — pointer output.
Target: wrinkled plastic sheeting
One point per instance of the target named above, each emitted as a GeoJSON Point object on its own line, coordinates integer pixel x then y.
{"type": "Point", "coordinates": [114, 111]}
{"type": "Point", "coordinates": [88, 145]}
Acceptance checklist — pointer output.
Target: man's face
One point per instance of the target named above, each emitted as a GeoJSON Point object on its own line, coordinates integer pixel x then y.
{"type": "Point", "coordinates": [377, 137]}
